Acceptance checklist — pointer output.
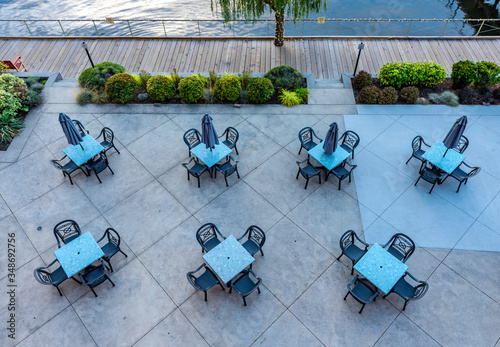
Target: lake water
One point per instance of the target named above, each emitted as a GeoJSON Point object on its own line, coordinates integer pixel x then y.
{"type": "Point", "coordinates": [200, 9]}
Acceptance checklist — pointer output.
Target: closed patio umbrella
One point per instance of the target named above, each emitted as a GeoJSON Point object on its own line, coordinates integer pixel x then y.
{"type": "Point", "coordinates": [330, 143]}
{"type": "Point", "coordinates": [208, 134]}
{"type": "Point", "coordinates": [453, 138]}
{"type": "Point", "coordinates": [72, 134]}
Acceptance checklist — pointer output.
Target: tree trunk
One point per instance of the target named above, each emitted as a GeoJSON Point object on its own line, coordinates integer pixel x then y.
{"type": "Point", "coordinates": [279, 30]}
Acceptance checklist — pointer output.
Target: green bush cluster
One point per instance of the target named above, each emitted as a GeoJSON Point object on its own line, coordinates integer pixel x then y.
{"type": "Point", "coordinates": [191, 89]}
{"type": "Point", "coordinates": [487, 74]}
{"type": "Point", "coordinates": [228, 88]}
{"type": "Point", "coordinates": [160, 88]}
{"type": "Point", "coordinates": [463, 74]}
{"type": "Point", "coordinates": [289, 98]}
{"type": "Point", "coordinates": [285, 77]}
{"type": "Point", "coordinates": [369, 95]}
{"type": "Point", "coordinates": [121, 87]}
{"type": "Point", "coordinates": [388, 96]}
{"type": "Point", "coordinates": [259, 90]}
{"type": "Point", "coordinates": [496, 93]}
{"type": "Point", "coordinates": [362, 79]}
{"type": "Point", "coordinates": [409, 94]}
{"type": "Point", "coordinates": [399, 74]}
{"type": "Point", "coordinates": [96, 77]}
{"type": "Point", "coordinates": [445, 98]}
{"type": "Point", "coordinates": [303, 93]}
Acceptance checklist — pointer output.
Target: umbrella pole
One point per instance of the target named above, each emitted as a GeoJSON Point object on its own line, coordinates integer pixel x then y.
{"type": "Point", "coordinates": [445, 152]}
{"type": "Point", "coordinates": [82, 146]}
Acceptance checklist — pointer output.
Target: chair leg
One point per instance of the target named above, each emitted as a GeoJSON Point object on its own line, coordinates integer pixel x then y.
{"type": "Point", "coordinates": [319, 176]}
{"type": "Point", "coordinates": [198, 177]}
{"type": "Point", "coordinates": [307, 182]}
{"type": "Point", "coordinates": [205, 295]}
{"type": "Point", "coordinates": [430, 191]}
{"type": "Point", "coordinates": [258, 290]}
{"type": "Point", "coordinates": [96, 175]}
{"type": "Point", "coordinates": [300, 150]}
{"type": "Point", "coordinates": [123, 253]}
{"type": "Point", "coordinates": [222, 287]}
{"type": "Point", "coordinates": [116, 149]}
{"type": "Point", "coordinates": [225, 178]}
{"type": "Point", "coordinates": [404, 306]}
{"type": "Point", "coordinates": [59, 290]}
{"type": "Point", "coordinates": [298, 173]}
{"type": "Point", "coordinates": [460, 185]}
{"type": "Point", "coordinates": [409, 160]}
{"type": "Point", "coordinates": [236, 149]}
{"type": "Point", "coordinates": [350, 177]}
{"type": "Point", "coordinates": [340, 256]}
{"type": "Point", "coordinates": [110, 267]}
{"type": "Point", "coordinates": [70, 180]}
{"type": "Point", "coordinates": [340, 182]}
{"type": "Point", "coordinates": [362, 307]}
{"type": "Point", "coordinates": [244, 301]}
{"type": "Point", "coordinates": [237, 174]}
{"type": "Point", "coordinates": [109, 279]}
{"type": "Point", "coordinates": [345, 297]}
{"type": "Point", "coordinates": [262, 253]}
{"type": "Point", "coordinates": [352, 269]}
{"type": "Point", "coordinates": [92, 289]}
{"type": "Point", "coordinates": [418, 179]}
{"type": "Point", "coordinates": [109, 167]}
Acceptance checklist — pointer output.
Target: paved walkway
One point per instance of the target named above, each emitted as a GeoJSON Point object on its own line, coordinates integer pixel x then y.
{"type": "Point", "coordinates": [157, 211]}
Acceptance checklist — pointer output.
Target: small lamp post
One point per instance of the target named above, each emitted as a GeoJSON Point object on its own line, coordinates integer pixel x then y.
{"type": "Point", "coordinates": [86, 48]}
{"type": "Point", "coordinates": [360, 48]}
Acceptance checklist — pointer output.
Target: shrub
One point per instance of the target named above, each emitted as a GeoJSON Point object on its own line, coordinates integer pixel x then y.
{"type": "Point", "coordinates": [422, 101]}
{"type": "Point", "coordinates": [362, 79]}
{"type": "Point", "coordinates": [143, 96]}
{"type": "Point", "coordinates": [99, 96]}
{"type": "Point", "coordinates": [398, 74]}
{"type": "Point", "coordinates": [468, 96]}
{"type": "Point", "coordinates": [13, 85]}
{"type": "Point", "coordinates": [289, 98]}
{"type": "Point", "coordinates": [446, 98]}
{"type": "Point", "coordinates": [228, 88]}
{"type": "Point", "coordinates": [259, 90]}
{"type": "Point", "coordinates": [245, 78]}
{"type": "Point", "coordinates": [175, 78]}
{"type": "Point", "coordinates": [496, 93]}
{"type": "Point", "coordinates": [37, 86]}
{"type": "Point", "coordinates": [191, 89]}
{"type": "Point", "coordinates": [145, 76]}
{"type": "Point", "coordinates": [9, 126]}
{"type": "Point", "coordinates": [388, 96]}
{"type": "Point", "coordinates": [96, 77]}
{"type": "Point", "coordinates": [32, 99]}
{"type": "Point", "coordinates": [160, 87]}
{"type": "Point", "coordinates": [462, 74]}
{"type": "Point", "coordinates": [137, 79]}
{"type": "Point", "coordinates": [31, 80]}
{"type": "Point", "coordinates": [203, 79]}
{"type": "Point", "coordinates": [9, 104]}
{"type": "Point", "coordinates": [285, 77]}
{"type": "Point", "coordinates": [208, 96]}
{"type": "Point", "coordinates": [409, 95]}
{"type": "Point", "coordinates": [3, 67]}
{"type": "Point", "coordinates": [121, 87]}
{"type": "Point", "coordinates": [303, 93]}
{"type": "Point", "coordinates": [212, 78]}
{"type": "Point", "coordinates": [487, 74]}
{"type": "Point", "coordinates": [84, 97]}
{"type": "Point", "coordinates": [369, 95]}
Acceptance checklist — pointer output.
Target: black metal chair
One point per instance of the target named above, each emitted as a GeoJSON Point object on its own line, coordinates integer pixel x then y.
{"type": "Point", "coordinates": [95, 275]}
{"type": "Point", "coordinates": [196, 170]}
{"type": "Point", "coordinates": [349, 249]}
{"type": "Point", "coordinates": [232, 135]}
{"type": "Point", "coordinates": [255, 241]}
{"type": "Point", "coordinates": [108, 138]}
{"type": "Point", "coordinates": [462, 144]}
{"type": "Point", "coordinates": [349, 141]}
{"type": "Point", "coordinates": [431, 174]}
{"type": "Point", "coordinates": [341, 172]}
{"type": "Point", "coordinates": [112, 246]}
{"type": "Point", "coordinates": [205, 281]}
{"type": "Point", "coordinates": [462, 176]}
{"type": "Point", "coordinates": [306, 138]}
{"type": "Point", "coordinates": [401, 246]}
{"type": "Point", "coordinates": [80, 127]}
{"type": "Point", "coordinates": [192, 138]}
{"type": "Point", "coordinates": [208, 236]}
{"type": "Point", "coordinates": [246, 284]}
{"type": "Point", "coordinates": [44, 276]}
{"type": "Point", "coordinates": [67, 168]}
{"type": "Point", "coordinates": [98, 165]}
{"type": "Point", "coordinates": [66, 231]}
{"type": "Point", "coordinates": [409, 292]}
{"type": "Point", "coordinates": [228, 168]}
{"type": "Point", "coordinates": [416, 146]}
{"type": "Point", "coordinates": [362, 291]}
{"type": "Point", "coordinates": [307, 171]}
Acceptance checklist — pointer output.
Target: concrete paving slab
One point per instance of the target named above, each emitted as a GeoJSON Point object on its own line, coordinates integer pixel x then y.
{"type": "Point", "coordinates": [490, 122]}
{"type": "Point", "coordinates": [220, 121]}
{"type": "Point", "coordinates": [403, 330]}
{"type": "Point", "coordinates": [49, 129]}
{"type": "Point", "coordinates": [60, 95]}
{"type": "Point", "coordinates": [489, 217]}
{"type": "Point", "coordinates": [367, 127]}
{"type": "Point", "coordinates": [32, 145]}
{"type": "Point", "coordinates": [479, 238]}
{"type": "Point", "coordinates": [335, 96]}
{"type": "Point", "coordinates": [483, 148]}
{"type": "Point", "coordinates": [367, 216]}
{"type": "Point", "coordinates": [4, 209]}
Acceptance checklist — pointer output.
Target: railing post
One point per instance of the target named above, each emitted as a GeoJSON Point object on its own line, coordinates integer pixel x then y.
{"type": "Point", "coordinates": [338, 28]}
{"type": "Point", "coordinates": [62, 28]}
{"type": "Point", "coordinates": [95, 27]}
{"type": "Point", "coordinates": [409, 25]}
{"type": "Point", "coordinates": [28, 28]}
{"type": "Point", "coordinates": [199, 31]}
{"type": "Point", "coordinates": [480, 27]}
{"type": "Point", "coordinates": [165, 30]}
{"type": "Point", "coordinates": [373, 28]}
{"type": "Point", "coordinates": [442, 33]}
{"type": "Point", "coordinates": [130, 28]}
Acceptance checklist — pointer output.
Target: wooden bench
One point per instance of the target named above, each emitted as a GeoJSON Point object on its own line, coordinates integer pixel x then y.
{"type": "Point", "coordinates": [17, 65]}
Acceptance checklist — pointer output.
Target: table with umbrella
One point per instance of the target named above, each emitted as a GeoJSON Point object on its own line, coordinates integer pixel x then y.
{"type": "Point", "coordinates": [210, 151]}
{"type": "Point", "coordinates": [327, 153]}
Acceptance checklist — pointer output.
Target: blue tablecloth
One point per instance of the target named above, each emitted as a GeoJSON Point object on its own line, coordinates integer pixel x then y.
{"type": "Point", "coordinates": [448, 163]}
{"type": "Point", "coordinates": [90, 149]}
{"type": "Point", "coordinates": [211, 157]}
{"type": "Point", "coordinates": [78, 254]}
{"type": "Point", "coordinates": [328, 161]}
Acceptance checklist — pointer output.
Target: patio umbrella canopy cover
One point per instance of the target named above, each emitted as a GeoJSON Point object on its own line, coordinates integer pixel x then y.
{"type": "Point", "coordinates": [330, 143]}
{"type": "Point", "coordinates": [72, 134]}
{"type": "Point", "coordinates": [208, 134]}
{"type": "Point", "coordinates": [453, 138]}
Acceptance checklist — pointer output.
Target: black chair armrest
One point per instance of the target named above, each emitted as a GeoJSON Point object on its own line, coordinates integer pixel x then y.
{"type": "Point", "coordinates": [302, 162]}
{"type": "Point", "coordinates": [363, 242]}
{"type": "Point", "coordinates": [186, 164]}
{"type": "Point", "coordinates": [373, 297]}
{"type": "Point", "coordinates": [425, 143]}
{"type": "Point", "coordinates": [354, 280]}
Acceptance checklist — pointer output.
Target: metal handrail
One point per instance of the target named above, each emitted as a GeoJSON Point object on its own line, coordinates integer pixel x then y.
{"type": "Point", "coordinates": [483, 23]}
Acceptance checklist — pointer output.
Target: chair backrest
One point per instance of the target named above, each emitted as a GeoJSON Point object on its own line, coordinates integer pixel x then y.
{"type": "Point", "coordinates": [347, 239]}
{"type": "Point", "coordinates": [306, 135]}
{"type": "Point", "coordinates": [416, 143]}
{"type": "Point", "coordinates": [42, 275]}
{"type": "Point", "coordinates": [474, 172]}
{"type": "Point", "coordinates": [100, 163]}
{"type": "Point", "coordinates": [10, 65]}
{"type": "Point", "coordinates": [56, 164]}
{"type": "Point", "coordinates": [193, 280]}
{"type": "Point", "coordinates": [350, 139]}
{"type": "Point", "coordinates": [207, 232]}
{"type": "Point", "coordinates": [67, 231]}
{"type": "Point", "coordinates": [113, 236]}
{"type": "Point", "coordinates": [108, 134]}
{"type": "Point", "coordinates": [80, 127]}
{"type": "Point", "coordinates": [257, 235]}
{"type": "Point", "coordinates": [96, 274]}
{"type": "Point", "coordinates": [192, 137]}
{"type": "Point", "coordinates": [403, 244]}
{"type": "Point", "coordinates": [232, 134]}
{"type": "Point", "coordinates": [462, 144]}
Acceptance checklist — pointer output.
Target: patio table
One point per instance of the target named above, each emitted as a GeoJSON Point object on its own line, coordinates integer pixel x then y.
{"type": "Point", "coordinates": [381, 268]}
{"type": "Point", "coordinates": [328, 161]}
{"type": "Point", "coordinates": [228, 259]}
{"type": "Point", "coordinates": [211, 157]}
{"type": "Point", "coordinates": [78, 254]}
{"type": "Point", "coordinates": [447, 163]}
{"type": "Point", "coordinates": [90, 149]}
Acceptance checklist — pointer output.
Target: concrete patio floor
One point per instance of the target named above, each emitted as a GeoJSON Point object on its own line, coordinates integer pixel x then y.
{"type": "Point", "coordinates": [157, 212]}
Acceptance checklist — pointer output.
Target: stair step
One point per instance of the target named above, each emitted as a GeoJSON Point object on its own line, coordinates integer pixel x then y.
{"type": "Point", "coordinates": [328, 83]}
{"type": "Point", "coordinates": [67, 82]}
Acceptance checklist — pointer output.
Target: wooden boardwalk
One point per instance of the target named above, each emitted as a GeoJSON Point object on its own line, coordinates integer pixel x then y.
{"type": "Point", "coordinates": [326, 58]}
